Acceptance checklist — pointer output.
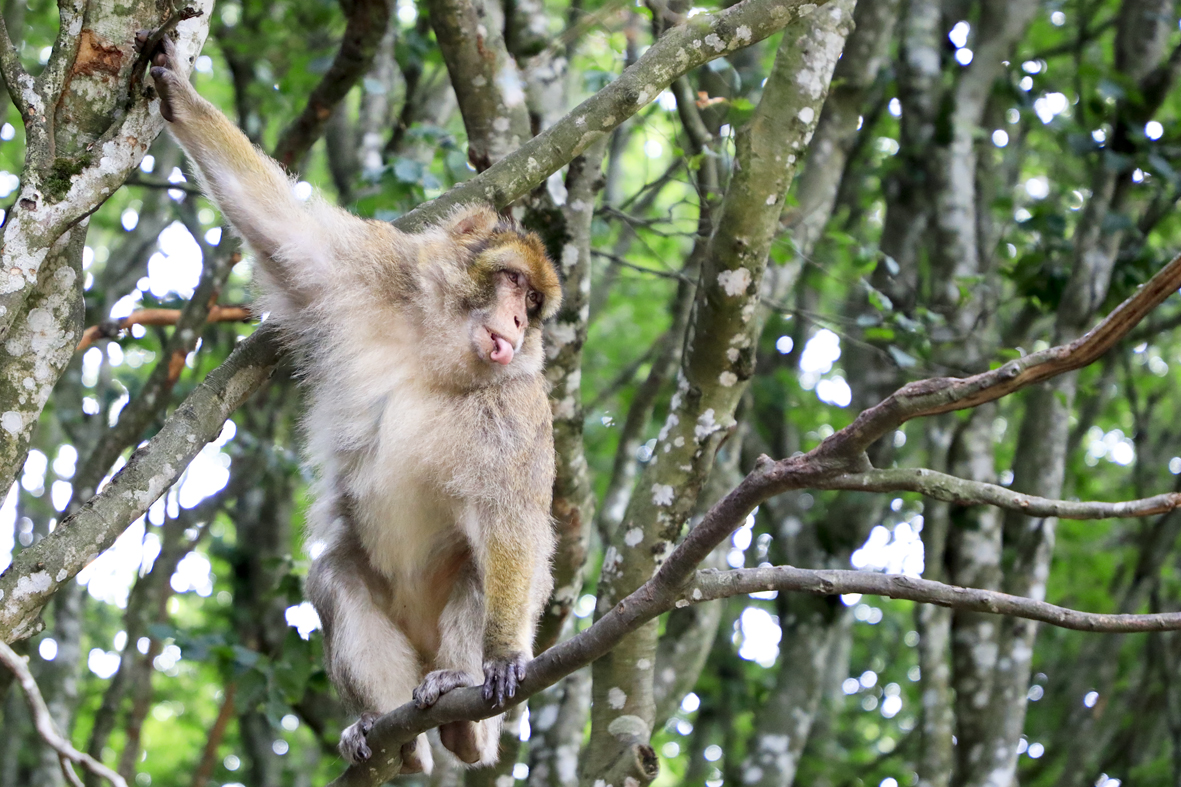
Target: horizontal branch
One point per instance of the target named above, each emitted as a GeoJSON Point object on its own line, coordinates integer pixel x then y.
{"type": "Point", "coordinates": [700, 39]}
{"type": "Point", "coordinates": [945, 394]}
{"type": "Point", "coordinates": [112, 328]}
{"type": "Point", "coordinates": [951, 489]}
{"type": "Point", "coordinates": [43, 722]}
{"type": "Point", "coordinates": [710, 585]}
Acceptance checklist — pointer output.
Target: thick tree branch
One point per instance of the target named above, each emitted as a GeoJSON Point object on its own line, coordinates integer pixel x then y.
{"type": "Point", "coordinates": [368, 20]}
{"type": "Point", "coordinates": [45, 726]}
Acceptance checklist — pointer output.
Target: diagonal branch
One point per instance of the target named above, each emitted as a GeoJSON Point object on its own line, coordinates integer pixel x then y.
{"type": "Point", "coordinates": [48, 731]}
{"type": "Point", "coordinates": [15, 76]}
{"type": "Point", "coordinates": [655, 597]}
{"type": "Point", "coordinates": [952, 489]}
{"type": "Point", "coordinates": [368, 21]}
{"type": "Point", "coordinates": [944, 394]}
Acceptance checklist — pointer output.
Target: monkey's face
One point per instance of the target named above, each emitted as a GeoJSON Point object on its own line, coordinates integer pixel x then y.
{"type": "Point", "coordinates": [498, 332]}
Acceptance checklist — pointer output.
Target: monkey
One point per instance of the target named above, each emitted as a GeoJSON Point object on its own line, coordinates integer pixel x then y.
{"type": "Point", "coordinates": [428, 426]}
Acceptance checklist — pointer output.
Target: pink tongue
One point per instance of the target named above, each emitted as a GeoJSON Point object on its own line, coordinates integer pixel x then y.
{"type": "Point", "coordinates": [503, 352]}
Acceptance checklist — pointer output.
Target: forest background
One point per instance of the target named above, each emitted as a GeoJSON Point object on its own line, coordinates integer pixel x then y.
{"type": "Point", "coordinates": [769, 216]}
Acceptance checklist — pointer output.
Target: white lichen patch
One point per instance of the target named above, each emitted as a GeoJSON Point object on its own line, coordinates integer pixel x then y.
{"type": "Point", "coordinates": [633, 537]}
{"type": "Point", "coordinates": [742, 35]}
{"type": "Point", "coordinates": [662, 495]}
{"type": "Point", "coordinates": [772, 198]}
{"type": "Point", "coordinates": [569, 256]}
{"type": "Point", "coordinates": [479, 81]}
{"type": "Point", "coordinates": [714, 41]}
{"type": "Point", "coordinates": [735, 282]}
{"type": "Point", "coordinates": [501, 125]}
{"type": "Point", "coordinates": [706, 425]}
{"type": "Point", "coordinates": [669, 425]}
{"type": "Point", "coordinates": [544, 719]}
{"type": "Point", "coordinates": [733, 354]}
{"type": "Point", "coordinates": [616, 698]}
{"type": "Point", "coordinates": [32, 585]}
{"type": "Point", "coordinates": [643, 665]}
{"type": "Point", "coordinates": [806, 115]}
{"type": "Point", "coordinates": [611, 560]}
{"type": "Point", "coordinates": [629, 725]}
{"type": "Point", "coordinates": [727, 379]}
{"type": "Point", "coordinates": [561, 333]}
{"type": "Point", "coordinates": [12, 422]}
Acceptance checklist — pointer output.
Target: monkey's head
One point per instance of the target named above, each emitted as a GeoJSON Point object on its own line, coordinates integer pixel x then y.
{"type": "Point", "coordinates": [507, 287]}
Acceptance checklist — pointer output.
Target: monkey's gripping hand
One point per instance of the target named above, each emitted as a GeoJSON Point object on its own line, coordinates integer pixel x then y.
{"type": "Point", "coordinates": [502, 676]}
{"type": "Point", "coordinates": [172, 88]}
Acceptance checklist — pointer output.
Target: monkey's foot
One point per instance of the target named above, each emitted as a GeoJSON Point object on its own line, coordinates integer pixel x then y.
{"type": "Point", "coordinates": [438, 683]}
{"type": "Point", "coordinates": [353, 745]}
{"type": "Point", "coordinates": [502, 676]}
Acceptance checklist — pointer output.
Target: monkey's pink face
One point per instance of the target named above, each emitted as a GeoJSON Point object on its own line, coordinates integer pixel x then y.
{"type": "Point", "coordinates": [499, 335]}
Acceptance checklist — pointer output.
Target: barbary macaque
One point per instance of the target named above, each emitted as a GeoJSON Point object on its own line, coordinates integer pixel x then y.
{"type": "Point", "coordinates": [428, 424]}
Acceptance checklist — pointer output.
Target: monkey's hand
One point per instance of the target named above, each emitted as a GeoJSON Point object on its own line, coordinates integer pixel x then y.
{"type": "Point", "coordinates": [438, 683]}
{"type": "Point", "coordinates": [171, 86]}
{"type": "Point", "coordinates": [502, 676]}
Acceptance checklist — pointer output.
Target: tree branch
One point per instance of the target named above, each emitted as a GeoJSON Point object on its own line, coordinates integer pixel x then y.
{"type": "Point", "coordinates": [36, 572]}
{"type": "Point", "coordinates": [709, 585]}
{"type": "Point", "coordinates": [47, 729]}
{"type": "Point", "coordinates": [952, 489]}
{"type": "Point", "coordinates": [15, 77]}
{"type": "Point", "coordinates": [944, 394]}
{"type": "Point", "coordinates": [112, 328]}
{"type": "Point", "coordinates": [702, 38]}
{"type": "Point", "coordinates": [367, 24]}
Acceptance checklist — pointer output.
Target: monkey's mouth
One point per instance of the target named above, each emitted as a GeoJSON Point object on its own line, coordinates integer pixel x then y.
{"type": "Point", "coordinates": [502, 349]}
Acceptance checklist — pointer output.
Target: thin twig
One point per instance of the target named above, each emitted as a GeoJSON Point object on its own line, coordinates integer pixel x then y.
{"type": "Point", "coordinates": [952, 489]}
{"type": "Point", "coordinates": [710, 584]}
{"type": "Point", "coordinates": [43, 721]}
{"type": "Point", "coordinates": [112, 328]}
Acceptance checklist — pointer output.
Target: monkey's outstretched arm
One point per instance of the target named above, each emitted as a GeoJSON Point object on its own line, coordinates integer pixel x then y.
{"type": "Point", "coordinates": [251, 189]}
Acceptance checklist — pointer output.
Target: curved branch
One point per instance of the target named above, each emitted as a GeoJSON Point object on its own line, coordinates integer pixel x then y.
{"type": "Point", "coordinates": [945, 394]}
{"type": "Point", "coordinates": [952, 489]}
{"type": "Point", "coordinates": [825, 582]}
{"type": "Point", "coordinates": [45, 726]}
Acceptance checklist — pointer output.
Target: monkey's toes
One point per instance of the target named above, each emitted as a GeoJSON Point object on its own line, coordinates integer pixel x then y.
{"type": "Point", "coordinates": [502, 677]}
{"type": "Point", "coordinates": [354, 746]}
{"type": "Point", "coordinates": [438, 683]}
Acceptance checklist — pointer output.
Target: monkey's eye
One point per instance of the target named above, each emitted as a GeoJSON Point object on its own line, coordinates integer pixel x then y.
{"type": "Point", "coordinates": [535, 299]}
{"type": "Point", "coordinates": [514, 277]}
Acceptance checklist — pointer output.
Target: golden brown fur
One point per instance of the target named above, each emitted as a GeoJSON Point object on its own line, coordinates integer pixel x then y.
{"type": "Point", "coordinates": [428, 425]}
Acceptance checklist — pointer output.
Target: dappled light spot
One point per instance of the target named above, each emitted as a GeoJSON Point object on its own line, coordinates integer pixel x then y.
{"type": "Point", "coordinates": [303, 618]}
{"type": "Point", "coordinates": [759, 634]}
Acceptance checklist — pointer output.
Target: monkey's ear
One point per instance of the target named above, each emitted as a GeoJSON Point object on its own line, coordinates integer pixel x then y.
{"type": "Point", "coordinates": [472, 221]}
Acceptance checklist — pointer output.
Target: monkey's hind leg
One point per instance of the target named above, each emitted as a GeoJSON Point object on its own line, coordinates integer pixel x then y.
{"type": "Point", "coordinates": [459, 664]}
{"type": "Point", "coordinates": [371, 663]}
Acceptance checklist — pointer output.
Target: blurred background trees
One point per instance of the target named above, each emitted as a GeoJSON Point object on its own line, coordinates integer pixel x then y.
{"type": "Point", "coordinates": [981, 180]}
